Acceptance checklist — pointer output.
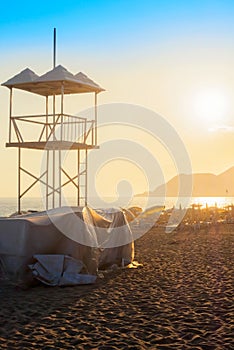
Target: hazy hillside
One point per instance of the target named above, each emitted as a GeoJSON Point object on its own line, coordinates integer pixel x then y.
{"type": "Point", "coordinates": [204, 185]}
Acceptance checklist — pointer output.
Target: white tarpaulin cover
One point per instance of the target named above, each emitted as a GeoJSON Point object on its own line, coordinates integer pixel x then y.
{"type": "Point", "coordinates": [77, 232]}
{"type": "Point", "coordinates": [114, 236]}
{"type": "Point", "coordinates": [59, 270]}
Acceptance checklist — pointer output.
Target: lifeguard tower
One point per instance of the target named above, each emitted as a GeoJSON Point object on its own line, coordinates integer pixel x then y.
{"type": "Point", "coordinates": [56, 132]}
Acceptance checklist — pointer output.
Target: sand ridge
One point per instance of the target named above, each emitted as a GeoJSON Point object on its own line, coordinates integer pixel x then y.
{"type": "Point", "coordinates": [182, 298]}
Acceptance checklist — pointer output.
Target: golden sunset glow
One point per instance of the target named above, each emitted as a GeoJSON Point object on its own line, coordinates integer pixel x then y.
{"type": "Point", "coordinates": [218, 202]}
{"type": "Point", "coordinates": [211, 105]}
{"type": "Point", "coordinates": [174, 59]}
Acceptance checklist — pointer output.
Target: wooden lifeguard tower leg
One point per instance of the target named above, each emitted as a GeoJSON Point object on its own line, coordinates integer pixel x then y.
{"type": "Point", "coordinates": [19, 180]}
{"type": "Point", "coordinates": [82, 191]}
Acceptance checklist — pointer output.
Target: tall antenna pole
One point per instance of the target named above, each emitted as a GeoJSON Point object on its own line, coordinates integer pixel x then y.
{"type": "Point", "coordinates": [53, 152]}
{"type": "Point", "coordinates": [54, 61]}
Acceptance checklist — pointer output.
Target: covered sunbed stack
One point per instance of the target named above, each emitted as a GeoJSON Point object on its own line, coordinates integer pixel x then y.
{"type": "Point", "coordinates": [80, 233]}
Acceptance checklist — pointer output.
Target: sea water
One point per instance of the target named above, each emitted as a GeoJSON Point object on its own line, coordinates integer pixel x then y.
{"type": "Point", "coordinates": [8, 206]}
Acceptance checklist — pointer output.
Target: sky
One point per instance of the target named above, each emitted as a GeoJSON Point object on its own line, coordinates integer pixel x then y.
{"type": "Point", "coordinates": [174, 58]}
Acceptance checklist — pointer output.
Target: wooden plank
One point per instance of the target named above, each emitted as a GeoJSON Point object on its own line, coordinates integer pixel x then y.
{"type": "Point", "coordinates": [53, 145]}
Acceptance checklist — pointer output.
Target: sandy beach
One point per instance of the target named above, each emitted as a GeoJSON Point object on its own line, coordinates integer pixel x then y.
{"type": "Point", "coordinates": [182, 298]}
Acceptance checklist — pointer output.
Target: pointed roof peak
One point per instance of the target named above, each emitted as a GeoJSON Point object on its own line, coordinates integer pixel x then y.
{"type": "Point", "coordinates": [85, 79]}
{"type": "Point", "coordinates": [27, 70]}
{"type": "Point", "coordinates": [59, 66]}
{"type": "Point", "coordinates": [26, 75]}
{"type": "Point", "coordinates": [58, 73]}
{"type": "Point", "coordinates": [50, 83]}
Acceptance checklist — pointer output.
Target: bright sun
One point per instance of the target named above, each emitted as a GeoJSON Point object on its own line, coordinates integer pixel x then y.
{"type": "Point", "coordinates": [211, 105]}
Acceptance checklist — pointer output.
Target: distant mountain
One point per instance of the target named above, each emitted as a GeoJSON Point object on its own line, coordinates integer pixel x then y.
{"type": "Point", "coordinates": [204, 185]}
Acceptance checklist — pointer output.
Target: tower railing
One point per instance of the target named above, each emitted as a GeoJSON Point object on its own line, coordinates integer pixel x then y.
{"type": "Point", "coordinates": [52, 127]}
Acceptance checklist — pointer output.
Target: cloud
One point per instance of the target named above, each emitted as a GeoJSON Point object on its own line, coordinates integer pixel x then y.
{"type": "Point", "coordinates": [222, 128]}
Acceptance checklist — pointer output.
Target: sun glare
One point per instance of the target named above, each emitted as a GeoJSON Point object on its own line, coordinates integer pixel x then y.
{"type": "Point", "coordinates": [219, 202]}
{"type": "Point", "coordinates": [211, 105]}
